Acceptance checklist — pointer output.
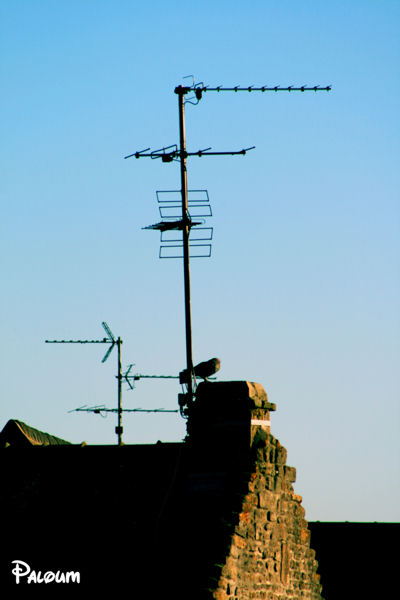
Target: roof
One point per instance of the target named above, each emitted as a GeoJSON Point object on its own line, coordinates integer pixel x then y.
{"type": "Point", "coordinates": [16, 433]}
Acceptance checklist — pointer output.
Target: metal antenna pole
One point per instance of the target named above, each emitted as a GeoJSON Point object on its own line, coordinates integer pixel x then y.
{"type": "Point", "coordinates": [119, 428]}
{"type": "Point", "coordinates": [181, 91]}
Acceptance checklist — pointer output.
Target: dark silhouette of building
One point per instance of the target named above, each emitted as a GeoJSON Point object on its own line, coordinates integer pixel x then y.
{"type": "Point", "coordinates": [215, 516]}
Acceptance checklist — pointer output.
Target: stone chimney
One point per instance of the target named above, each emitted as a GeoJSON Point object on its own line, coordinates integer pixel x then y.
{"type": "Point", "coordinates": [239, 491]}
{"type": "Point", "coordinates": [229, 411]}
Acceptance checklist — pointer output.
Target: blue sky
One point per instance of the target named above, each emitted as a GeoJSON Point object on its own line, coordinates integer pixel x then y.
{"type": "Point", "coordinates": [302, 291]}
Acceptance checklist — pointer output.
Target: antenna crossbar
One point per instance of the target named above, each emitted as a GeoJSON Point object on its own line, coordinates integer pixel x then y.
{"type": "Point", "coordinates": [229, 152]}
{"type": "Point", "coordinates": [251, 88]}
{"type": "Point", "coordinates": [170, 156]}
{"type": "Point", "coordinates": [103, 341]}
{"type": "Point", "coordinates": [140, 376]}
{"type": "Point", "coordinates": [102, 408]}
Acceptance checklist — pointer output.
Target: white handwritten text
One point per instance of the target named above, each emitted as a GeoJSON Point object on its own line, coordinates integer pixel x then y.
{"type": "Point", "coordinates": [22, 569]}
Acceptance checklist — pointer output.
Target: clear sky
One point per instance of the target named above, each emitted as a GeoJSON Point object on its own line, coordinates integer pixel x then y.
{"type": "Point", "coordinates": [302, 291]}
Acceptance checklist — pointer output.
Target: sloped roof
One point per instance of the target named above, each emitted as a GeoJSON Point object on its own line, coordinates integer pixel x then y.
{"type": "Point", "coordinates": [17, 433]}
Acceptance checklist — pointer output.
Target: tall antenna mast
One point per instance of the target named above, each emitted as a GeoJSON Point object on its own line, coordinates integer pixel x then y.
{"type": "Point", "coordinates": [171, 153]}
{"type": "Point", "coordinates": [114, 342]}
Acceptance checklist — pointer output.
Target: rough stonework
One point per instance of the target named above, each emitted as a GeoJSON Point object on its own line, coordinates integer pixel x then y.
{"type": "Point", "coordinates": [270, 556]}
{"type": "Point", "coordinates": [267, 553]}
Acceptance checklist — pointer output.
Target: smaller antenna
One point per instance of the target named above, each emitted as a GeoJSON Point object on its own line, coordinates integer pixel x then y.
{"type": "Point", "coordinates": [114, 342]}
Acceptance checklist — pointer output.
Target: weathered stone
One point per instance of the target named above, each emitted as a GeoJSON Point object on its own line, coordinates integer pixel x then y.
{"type": "Point", "coordinates": [267, 499]}
{"type": "Point", "coordinates": [260, 516]}
{"type": "Point", "coordinates": [220, 594]}
{"type": "Point", "coordinates": [238, 541]}
{"type": "Point", "coordinates": [290, 474]}
{"type": "Point", "coordinates": [277, 483]}
{"type": "Point", "coordinates": [281, 455]}
{"type": "Point", "coordinates": [244, 516]}
{"type": "Point", "coordinates": [275, 560]}
{"type": "Point", "coordinates": [258, 437]}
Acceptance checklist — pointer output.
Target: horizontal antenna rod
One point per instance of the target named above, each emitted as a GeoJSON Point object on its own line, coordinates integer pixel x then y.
{"type": "Point", "coordinates": [145, 410]}
{"type": "Point", "coordinates": [264, 88]}
{"type": "Point", "coordinates": [139, 376]}
{"type": "Point", "coordinates": [169, 156]}
{"type": "Point", "coordinates": [103, 341]}
{"type": "Point", "coordinates": [202, 153]}
{"type": "Point", "coordinates": [99, 409]}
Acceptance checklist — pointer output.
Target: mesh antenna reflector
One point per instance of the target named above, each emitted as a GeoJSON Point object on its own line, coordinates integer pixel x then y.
{"type": "Point", "coordinates": [176, 251]}
{"type": "Point", "coordinates": [197, 234]}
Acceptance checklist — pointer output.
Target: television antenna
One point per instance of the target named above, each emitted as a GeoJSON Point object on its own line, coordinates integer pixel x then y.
{"type": "Point", "coordinates": [113, 341]}
{"type": "Point", "coordinates": [185, 223]}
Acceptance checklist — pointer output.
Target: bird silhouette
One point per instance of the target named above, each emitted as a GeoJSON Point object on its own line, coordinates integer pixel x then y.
{"type": "Point", "coordinates": [204, 370]}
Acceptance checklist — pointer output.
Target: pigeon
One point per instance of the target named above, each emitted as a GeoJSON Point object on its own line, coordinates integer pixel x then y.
{"type": "Point", "coordinates": [204, 370]}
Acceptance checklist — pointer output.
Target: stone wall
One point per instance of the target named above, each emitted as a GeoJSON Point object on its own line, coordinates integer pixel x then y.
{"type": "Point", "coordinates": [269, 555]}
{"type": "Point", "coordinates": [267, 543]}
